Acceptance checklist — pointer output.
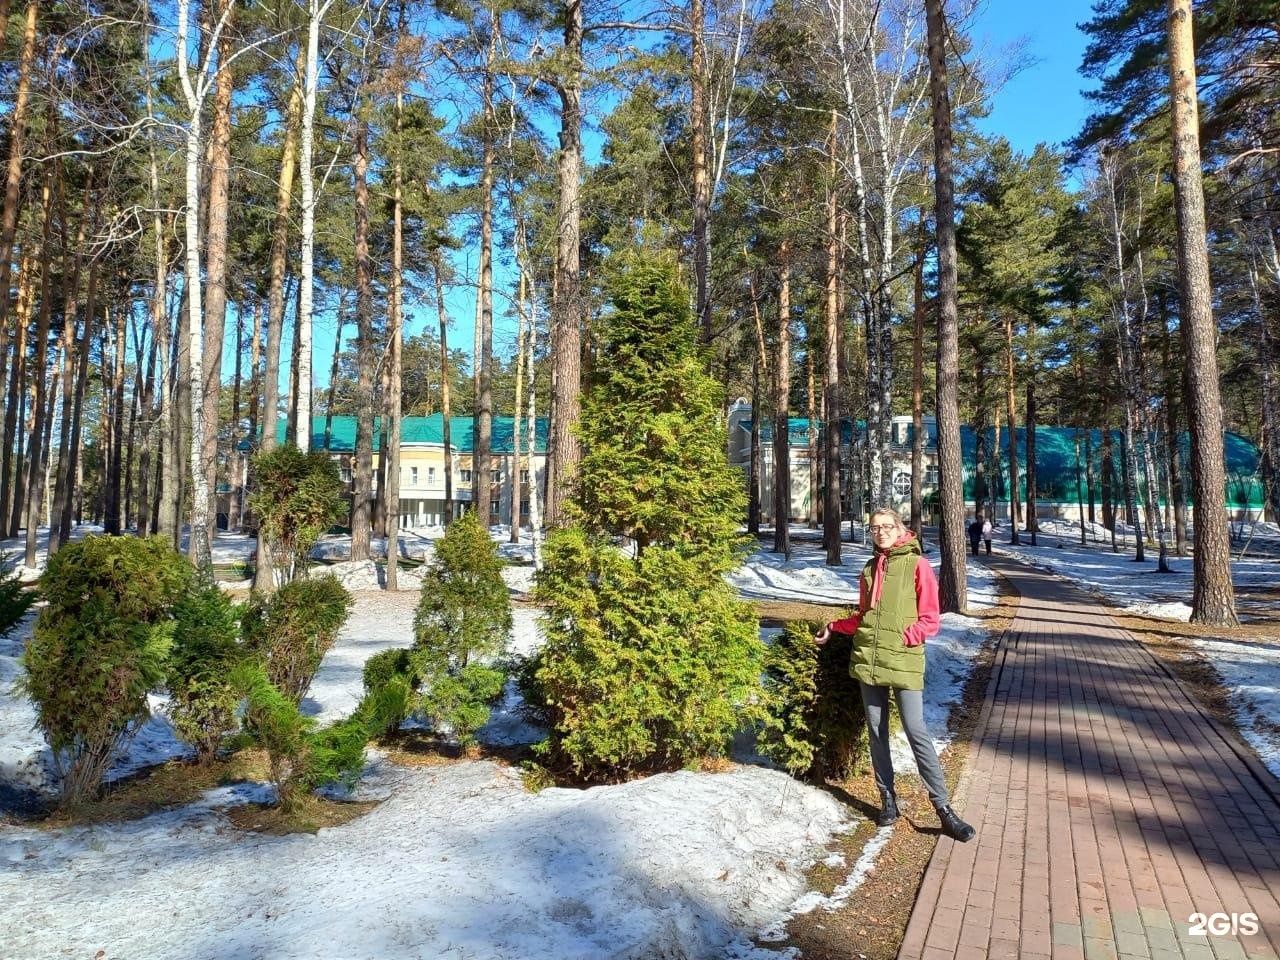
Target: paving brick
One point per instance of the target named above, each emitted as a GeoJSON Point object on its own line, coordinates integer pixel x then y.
{"type": "Point", "coordinates": [1111, 809]}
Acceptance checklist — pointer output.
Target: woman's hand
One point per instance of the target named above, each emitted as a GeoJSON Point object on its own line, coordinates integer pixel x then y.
{"type": "Point", "coordinates": [823, 635]}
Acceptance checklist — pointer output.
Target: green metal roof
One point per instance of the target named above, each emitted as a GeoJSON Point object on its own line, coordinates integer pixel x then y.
{"type": "Point", "coordinates": [422, 431]}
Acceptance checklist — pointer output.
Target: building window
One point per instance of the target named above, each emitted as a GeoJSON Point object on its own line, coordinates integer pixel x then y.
{"type": "Point", "coordinates": [902, 484]}
{"type": "Point", "coordinates": [524, 476]}
{"type": "Point", "coordinates": [413, 476]}
{"type": "Point", "coordinates": [346, 474]}
{"type": "Point", "coordinates": [495, 507]}
{"type": "Point", "coordinates": [931, 476]}
{"type": "Point", "coordinates": [495, 476]}
{"type": "Point", "coordinates": [431, 474]}
{"type": "Point", "coordinates": [466, 476]}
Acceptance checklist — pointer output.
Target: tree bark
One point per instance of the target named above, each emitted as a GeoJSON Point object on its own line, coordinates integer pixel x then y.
{"type": "Point", "coordinates": [917, 394]}
{"type": "Point", "coordinates": [74, 463]}
{"type": "Point", "coordinates": [781, 411]}
{"type": "Point", "coordinates": [1213, 594]}
{"type": "Point", "coordinates": [35, 446]}
{"type": "Point", "coordinates": [701, 178]}
{"type": "Point", "coordinates": [362, 476]}
{"type": "Point", "coordinates": [1011, 414]}
{"type": "Point", "coordinates": [952, 585]}
{"type": "Point", "coordinates": [10, 470]}
{"type": "Point", "coordinates": [482, 435]}
{"type": "Point", "coordinates": [1032, 527]}
{"type": "Point", "coordinates": [13, 174]}
{"type": "Point", "coordinates": [831, 379]}
{"type": "Point", "coordinates": [445, 405]}
{"type": "Point", "coordinates": [306, 288]}
{"type": "Point", "coordinates": [566, 300]}
{"type": "Point", "coordinates": [390, 493]}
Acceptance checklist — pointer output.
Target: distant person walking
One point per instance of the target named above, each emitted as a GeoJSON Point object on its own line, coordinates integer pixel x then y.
{"type": "Point", "coordinates": [986, 536]}
{"type": "Point", "coordinates": [976, 528]}
{"type": "Point", "coordinates": [897, 611]}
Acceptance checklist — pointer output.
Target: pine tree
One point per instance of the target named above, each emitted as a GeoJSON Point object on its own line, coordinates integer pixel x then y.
{"type": "Point", "coordinates": [650, 659]}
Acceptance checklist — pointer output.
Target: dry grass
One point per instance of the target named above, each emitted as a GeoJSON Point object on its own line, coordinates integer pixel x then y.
{"type": "Point", "coordinates": [176, 783]}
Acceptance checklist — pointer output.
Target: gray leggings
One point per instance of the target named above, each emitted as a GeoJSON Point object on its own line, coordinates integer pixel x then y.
{"type": "Point", "coordinates": [875, 701]}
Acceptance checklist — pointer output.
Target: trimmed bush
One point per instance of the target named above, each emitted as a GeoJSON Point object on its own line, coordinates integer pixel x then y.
{"type": "Point", "coordinates": [15, 600]}
{"type": "Point", "coordinates": [646, 665]}
{"type": "Point", "coordinates": [463, 618]}
{"type": "Point", "coordinates": [294, 628]}
{"type": "Point", "coordinates": [299, 497]}
{"type": "Point", "coordinates": [273, 720]}
{"type": "Point", "coordinates": [99, 647]}
{"type": "Point", "coordinates": [206, 648]}
{"type": "Point", "coordinates": [815, 724]}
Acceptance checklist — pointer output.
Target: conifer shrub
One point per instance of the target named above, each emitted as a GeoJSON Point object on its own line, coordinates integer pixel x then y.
{"type": "Point", "coordinates": [15, 600]}
{"type": "Point", "coordinates": [651, 661]}
{"type": "Point", "coordinates": [99, 647]}
{"type": "Point", "coordinates": [206, 648]}
{"type": "Point", "coordinates": [292, 630]}
{"type": "Point", "coordinates": [389, 685]}
{"type": "Point", "coordinates": [275, 723]}
{"type": "Point", "coordinates": [460, 631]}
{"type": "Point", "coordinates": [814, 724]}
{"type": "Point", "coordinates": [299, 497]}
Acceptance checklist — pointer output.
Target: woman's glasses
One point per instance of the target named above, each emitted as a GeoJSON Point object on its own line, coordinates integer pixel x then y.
{"type": "Point", "coordinates": [882, 527]}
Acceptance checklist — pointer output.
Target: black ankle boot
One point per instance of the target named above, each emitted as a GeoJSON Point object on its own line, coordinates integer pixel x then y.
{"type": "Point", "coordinates": [953, 826]}
{"type": "Point", "coordinates": [888, 809]}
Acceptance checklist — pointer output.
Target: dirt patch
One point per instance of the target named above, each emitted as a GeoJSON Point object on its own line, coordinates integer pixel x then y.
{"type": "Point", "coordinates": [419, 748]}
{"type": "Point", "coordinates": [309, 814]}
{"type": "Point", "coordinates": [871, 925]}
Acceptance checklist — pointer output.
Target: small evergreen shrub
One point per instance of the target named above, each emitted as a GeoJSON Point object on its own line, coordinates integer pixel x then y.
{"type": "Point", "coordinates": [646, 665]}
{"type": "Point", "coordinates": [460, 629]}
{"type": "Point", "coordinates": [99, 647]}
{"type": "Point", "coordinates": [15, 600]}
{"type": "Point", "coordinates": [206, 648]}
{"type": "Point", "coordinates": [276, 724]}
{"type": "Point", "coordinates": [299, 497]}
{"type": "Point", "coordinates": [294, 628]}
{"type": "Point", "coordinates": [651, 660]}
{"type": "Point", "coordinates": [814, 726]}
{"type": "Point", "coordinates": [389, 682]}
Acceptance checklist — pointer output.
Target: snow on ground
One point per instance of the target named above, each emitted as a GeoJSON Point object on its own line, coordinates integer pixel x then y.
{"type": "Point", "coordinates": [458, 861]}
{"type": "Point", "coordinates": [1250, 670]}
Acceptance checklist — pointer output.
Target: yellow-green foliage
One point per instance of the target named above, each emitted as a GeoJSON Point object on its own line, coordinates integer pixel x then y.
{"type": "Point", "coordinates": [651, 660]}
{"type": "Point", "coordinates": [815, 723]}
{"type": "Point", "coordinates": [299, 497]}
{"type": "Point", "coordinates": [15, 600]}
{"type": "Point", "coordinates": [206, 647]}
{"type": "Point", "coordinates": [460, 629]}
{"type": "Point", "coordinates": [99, 648]}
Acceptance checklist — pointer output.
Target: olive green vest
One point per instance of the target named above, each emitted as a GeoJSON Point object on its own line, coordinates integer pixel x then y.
{"type": "Point", "coordinates": [880, 656]}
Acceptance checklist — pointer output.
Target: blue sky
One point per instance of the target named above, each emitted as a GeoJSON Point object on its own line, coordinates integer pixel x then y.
{"type": "Point", "coordinates": [1041, 103]}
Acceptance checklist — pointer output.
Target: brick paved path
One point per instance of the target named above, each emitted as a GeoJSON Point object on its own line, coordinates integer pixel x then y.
{"type": "Point", "coordinates": [1109, 808]}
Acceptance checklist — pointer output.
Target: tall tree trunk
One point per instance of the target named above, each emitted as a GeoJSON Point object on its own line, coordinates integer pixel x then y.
{"type": "Point", "coordinates": [482, 434]}
{"type": "Point", "coordinates": [952, 585]}
{"type": "Point", "coordinates": [13, 175]}
{"type": "Point", "coordinates": [333, 373]}
{"type": "Point", "coordinates": [1213, 595]}
{"type": "Point", "coordinates": [531, 424]}
{"type": "Point", "coordinates": [306, 288]}
{"type": "Point", "coordinates": [566, 300]}
{"type": "Point", "coordinates": [9, 473]}
{"type": "Point", "coordinates": [917, 393]}
{"type": "Point", "coordinates": [36, 454]}
{"type": "Point", "coordinates": [701, 179]}
{"type": "Point", "coordinates": [362, 485]}
{"type": "Point", "coordinates": [1032, 527]}
{"type": "Point", "coordinates": [390, 493]}
{"type": "Point", "coordinates": [759, 371]}
{"type": "Point", "coordinates": [72, 263]}
{"type": "Point", "coordinates": [1172, 383]}
{"type": "Point", "coordinates": [445, 405]}
{"type": "Point", "coordinates": [74, 465]}
{"type": "Point", "coordinates": [263, 578]}
{"type": "Point", "coordinates": [831, 378]}
{"type": "Point", "coordinates": [1270, 426]}
{"type": "Point", "coordinates": [781, 411]}
{"type": "Point", "coordinates": [522, 306]}
{"type": "Point", "coordinates": [234, 518]}
{"type": "Point", "coordinates": [215, 313]}
{"type": "Point", "coordinates": [811, 434]}
{"type": "Point", "coordinates": [147, 382]}
{"type": "Point", "coordinates": [1011, 414]}
{"type": "Point", "coordinates": [113, 520]}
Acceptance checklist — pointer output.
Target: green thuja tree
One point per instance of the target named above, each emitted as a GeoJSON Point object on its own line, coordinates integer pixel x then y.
{"type": "Point", "coordinates": [206, 650]}
{"type": "Point", "coordinates": [299, 497]}
{"type": "Point", "coordinates": [651, 661]}
{"type": "Point", "coordinates": [460, 631]}
{"type": "Point", "coordinates": [99, 647]}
